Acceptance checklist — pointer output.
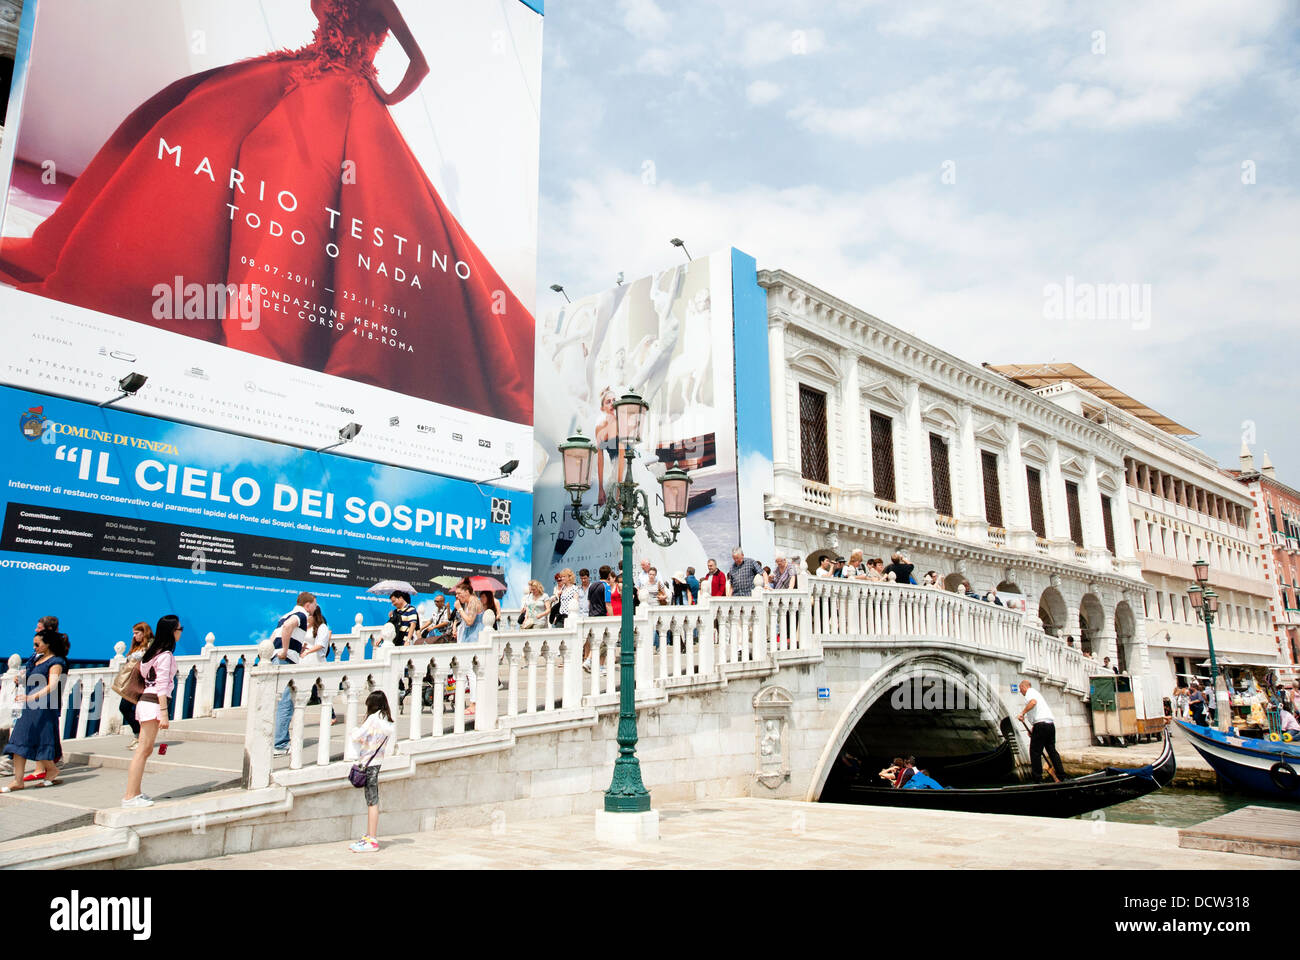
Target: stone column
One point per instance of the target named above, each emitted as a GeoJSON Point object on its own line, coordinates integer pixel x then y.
{"type": "Point", "coordinates": [1058, 520]}
{"type": "Point", "coordinates": [1020, 536]}
{"type": "Point", "coordinates": [1094, 534]}
{"type": "Point", "coordinates": [853, 483]}
{"type": "Point", "coordinates": [916, 495]}
{"type": "Point", "coordinates": [776, 383]}
{"type": "Point", "coordinates": [971, 523]}
{"type": "Point", "coordinates": [1125, 545]}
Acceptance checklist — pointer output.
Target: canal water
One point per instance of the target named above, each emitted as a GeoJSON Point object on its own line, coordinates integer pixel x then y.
{"type": "Point", "coordinates": [1181, 807]}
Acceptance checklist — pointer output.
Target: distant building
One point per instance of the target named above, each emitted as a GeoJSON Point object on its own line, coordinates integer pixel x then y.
{"type": "Point", "coordinates": [1182, 507]}
{"type": "Point", "coordinates": [883, 442]}
{"type": "Point", "coordinates": [1277, 528]}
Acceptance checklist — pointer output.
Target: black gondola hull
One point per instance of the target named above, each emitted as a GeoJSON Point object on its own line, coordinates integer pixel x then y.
{"type": "Point", "coordinates": [1067, 799]}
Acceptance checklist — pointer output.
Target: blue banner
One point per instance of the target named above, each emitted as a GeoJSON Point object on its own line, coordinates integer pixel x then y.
{"type": "Point", "coordinates": [110, 518]}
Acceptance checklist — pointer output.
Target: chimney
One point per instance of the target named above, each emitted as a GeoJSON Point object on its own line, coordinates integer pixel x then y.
{"type": "Point", "coordinates": [1247, 459]}
{"type": "Point", "coordinates": [1266, 468]}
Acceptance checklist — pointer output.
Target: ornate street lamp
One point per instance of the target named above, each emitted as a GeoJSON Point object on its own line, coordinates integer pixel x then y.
{"type": "Point", "coordinates": [1206, 604]}
{"type": "Point", "coordinates": [629, 507]}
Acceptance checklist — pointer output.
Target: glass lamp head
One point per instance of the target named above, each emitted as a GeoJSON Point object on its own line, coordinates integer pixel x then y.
{"type": "Point", "coordinates": [676, 490]}
{"type": "Point", "coordinates": [630, 411]}
{"type": "Point", "coordinates": [1211, 601]}
{"type": "Point", "coordinates": [577, 452]}
{"type": "Point", "coordinates": [1202, 569]}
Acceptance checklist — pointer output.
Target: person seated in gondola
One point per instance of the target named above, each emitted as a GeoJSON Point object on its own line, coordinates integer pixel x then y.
{"type": "Point", "coordinates": [921, 780]}
{"type": "Point", "coordinates": [894, 771]}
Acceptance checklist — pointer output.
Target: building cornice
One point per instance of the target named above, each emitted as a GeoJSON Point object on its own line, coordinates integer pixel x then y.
{"type": "Point", "coordinates": [958, 549]}
{"type": "Point", "coordinates": [820, 313]}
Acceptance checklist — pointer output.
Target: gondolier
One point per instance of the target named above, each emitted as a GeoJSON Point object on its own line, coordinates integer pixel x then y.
{"type": "Point", "coordinates": [1042, 732]}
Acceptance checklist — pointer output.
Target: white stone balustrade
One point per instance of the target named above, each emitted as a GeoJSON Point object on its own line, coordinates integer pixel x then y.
{"type": "Point", "coordinates": [89, 690]}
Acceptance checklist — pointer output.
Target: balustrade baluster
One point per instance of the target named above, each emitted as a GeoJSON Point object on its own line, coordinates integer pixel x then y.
{"type": "Point", "coordinates": [415, 701]}
{"type": "Point", "coordinates": [301, 694]}
{"type": "Point", "coordinates": [512, 680]}
{"type": "Point", "coordinates": [323, 742]}
{"type": "Point", "coordinates": [662, 653]}
{"type": "Point", "coordinates": [531, 653]}
{"type": "Point", "coordinates": [643, 640]}
{"type": "Point", "coordinates": [353, 690]}
{"type": "Point", "coordinates": [439, 691]}
{"type": "Point", "coordinates": [612, 655]}
{"type": "Point", "coordinates": [552, 651]}
{"type": "Point", "coordinates": [676, 643]}
{"type": "Point", "coordinates": [461, 671]}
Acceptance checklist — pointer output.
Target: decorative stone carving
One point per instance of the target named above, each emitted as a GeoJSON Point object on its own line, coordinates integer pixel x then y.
{"type": "Point", "coordinates": [772, 707]}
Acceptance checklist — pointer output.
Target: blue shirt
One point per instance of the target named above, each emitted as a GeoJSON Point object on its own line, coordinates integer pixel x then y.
{"type": "Point", "coordinates": [693, 585]}
{"type": "Point", "coordinates": [920, 781]}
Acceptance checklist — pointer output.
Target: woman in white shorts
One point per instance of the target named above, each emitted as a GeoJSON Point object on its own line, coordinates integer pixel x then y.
{"type": "Point", "coordinates": [158, 670]}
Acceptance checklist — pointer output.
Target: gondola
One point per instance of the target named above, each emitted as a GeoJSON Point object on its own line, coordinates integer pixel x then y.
{"type": "Point", "coordinates": [1257, 766]}
{"type": "Point", "coordinates": [1066, 799]}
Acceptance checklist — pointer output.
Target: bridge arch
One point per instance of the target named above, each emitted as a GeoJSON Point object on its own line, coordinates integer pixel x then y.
{"type": "Point", "coordinates": [902, 669]}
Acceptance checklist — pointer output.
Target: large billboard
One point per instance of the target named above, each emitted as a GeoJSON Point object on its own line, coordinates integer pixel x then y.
{"type": "Point", "coordinates": [692, 340]}
{"type": "Point", "coordinates": [289, 215]}
{"type": "Point", "coordinates": [110, 518]}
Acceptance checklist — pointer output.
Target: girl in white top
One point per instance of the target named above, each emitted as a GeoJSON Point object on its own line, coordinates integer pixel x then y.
{"type": "Point", "coordinates": [371, 739]}
{"type": "Point", "coordinates": [314, 650]}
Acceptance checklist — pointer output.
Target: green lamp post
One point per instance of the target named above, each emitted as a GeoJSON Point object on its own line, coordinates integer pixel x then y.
{"type": "Point", "coordinates": [1206, 604]}
{"type": "Point", "coordinates": [628, 507]}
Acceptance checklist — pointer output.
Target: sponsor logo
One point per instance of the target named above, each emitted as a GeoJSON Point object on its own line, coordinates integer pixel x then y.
{"type": "Point", "coordinates": [500, 510]}
{"type": "Point", "coordinates": [458, 437]}
{"type": "Point", "coordinates": [31, 423]}
{"type": "Point", "coordinates": [425, 428]}
{"type": "Point", "coordinates": [487, 444]}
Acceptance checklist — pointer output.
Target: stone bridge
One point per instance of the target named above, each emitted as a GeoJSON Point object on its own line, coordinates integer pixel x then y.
{"type": "Point", "coordinates": [760, 702]}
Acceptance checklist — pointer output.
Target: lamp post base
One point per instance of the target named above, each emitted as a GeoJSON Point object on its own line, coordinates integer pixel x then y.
{"type": "Point", "coordinates": [627, 829]}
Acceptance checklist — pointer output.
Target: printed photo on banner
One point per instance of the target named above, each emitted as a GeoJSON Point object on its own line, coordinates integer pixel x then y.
{"type": "Point", "coordinates": [347, 188]}
{"type": "Point", "coordinates": [669, 338]}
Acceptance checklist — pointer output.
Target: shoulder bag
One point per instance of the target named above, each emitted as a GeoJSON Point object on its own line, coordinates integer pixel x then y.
{"type": "Point", "coordinates": [129, 684]}
{"type": "Point", "coordinates": [357, 775]}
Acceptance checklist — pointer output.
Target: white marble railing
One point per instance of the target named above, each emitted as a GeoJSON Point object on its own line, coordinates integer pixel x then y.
{"type": "Point", "coordinates": [851, 609]}
{"type": "Point", "coordinates": [91, 687]}
{"type": "Point", "coordinates": [549, 675]}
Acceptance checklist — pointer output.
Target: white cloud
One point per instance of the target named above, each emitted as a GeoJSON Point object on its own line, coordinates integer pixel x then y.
{"type": "Point", "coordinates": [920, 110]}
{"type": "Point", "coordinates": [761, 92]}
{"type": "Point", "coordinates": [644, 19]}
{"type": "Point", "coordinates": [1157, 61]}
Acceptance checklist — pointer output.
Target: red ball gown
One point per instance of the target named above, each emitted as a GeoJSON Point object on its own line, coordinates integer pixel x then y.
{"type": "Point", "coordinates": [389, 288]}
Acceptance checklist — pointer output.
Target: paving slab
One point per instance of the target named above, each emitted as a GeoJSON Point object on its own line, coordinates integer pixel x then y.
{"type": "Point", "coordinates": [766, 834]}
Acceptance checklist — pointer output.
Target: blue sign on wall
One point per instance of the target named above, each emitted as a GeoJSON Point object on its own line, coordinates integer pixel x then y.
{"type": "Point", "coordinates": [110, 518]}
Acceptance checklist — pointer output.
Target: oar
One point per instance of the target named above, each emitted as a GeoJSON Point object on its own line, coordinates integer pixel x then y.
{"type": "Point", "coordinates": [1046, 759]}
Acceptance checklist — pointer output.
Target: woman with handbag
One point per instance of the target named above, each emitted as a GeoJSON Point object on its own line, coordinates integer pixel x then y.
{"type": "Point", "coordinates": [370, 738]}
{"type": "Point", "coordinates": [158, 670]}
{"type": "Point", "coordinates": [141, 637]}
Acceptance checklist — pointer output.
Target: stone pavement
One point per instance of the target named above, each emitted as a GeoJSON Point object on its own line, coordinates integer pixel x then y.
{"type": "Point", "coordinates": [770, 834]}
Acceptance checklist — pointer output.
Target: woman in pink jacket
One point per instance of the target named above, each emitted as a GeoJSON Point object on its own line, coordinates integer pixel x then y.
{"type": "Point", "coordinates": [158, 669]}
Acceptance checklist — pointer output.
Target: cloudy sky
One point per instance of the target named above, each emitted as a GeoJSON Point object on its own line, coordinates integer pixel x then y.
{"type": "Point", "coordinates": [945, 166]}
